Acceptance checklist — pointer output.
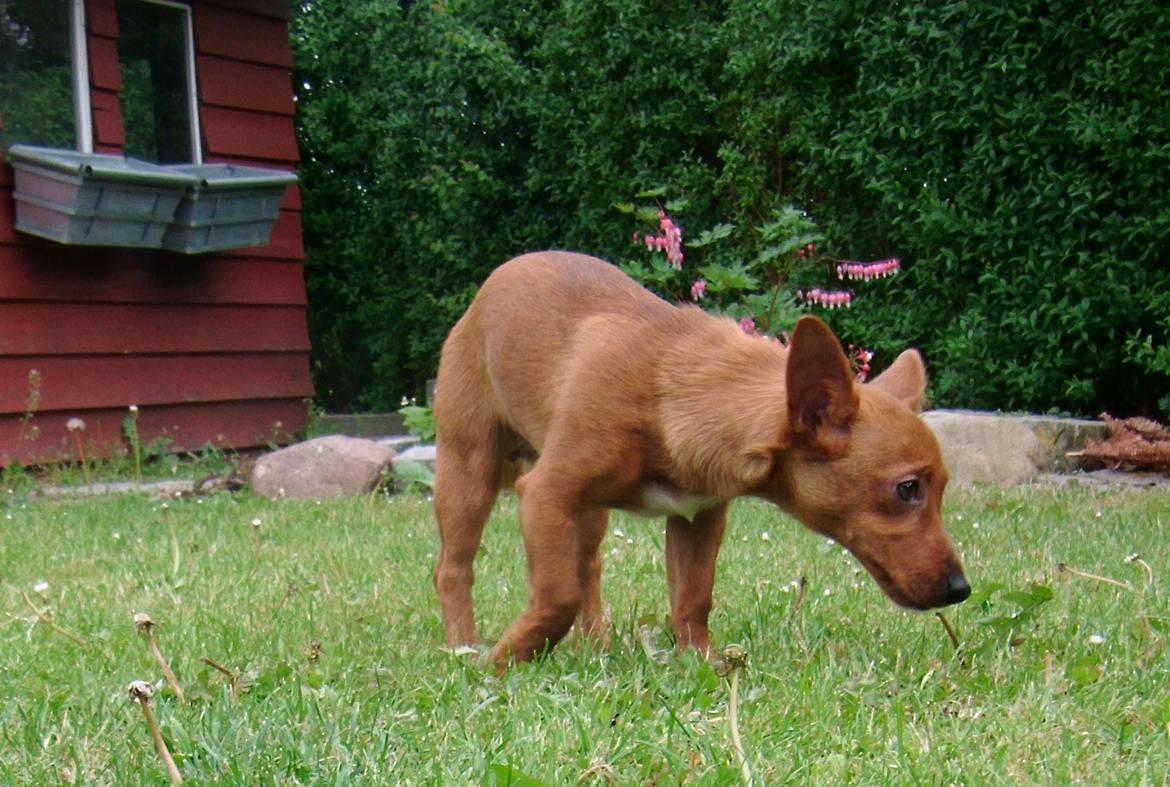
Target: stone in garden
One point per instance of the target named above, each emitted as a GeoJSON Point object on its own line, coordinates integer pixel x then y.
{"type": "Point", "coordinates": [322, 467]}
{"type": "Point", "coordinates": [424, 454]}
{"type": "Point", "coordinates": [987, 449]}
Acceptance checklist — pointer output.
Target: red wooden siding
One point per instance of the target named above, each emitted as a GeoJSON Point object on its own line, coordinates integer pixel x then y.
{"type": "Point", "coordinates": [241, 35]}
{"type": "Point", "coordinates": [219, 424]}
{"type": "Point", "coordinates": [213, 349]}
{"type": "Point", "coordinates": [247, 86]}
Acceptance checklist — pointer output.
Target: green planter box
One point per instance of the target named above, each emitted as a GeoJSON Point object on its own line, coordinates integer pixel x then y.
{"type": "Point", "coordinates": [93, 198]}
{"type": "Point", "coordinates": [227, 206]}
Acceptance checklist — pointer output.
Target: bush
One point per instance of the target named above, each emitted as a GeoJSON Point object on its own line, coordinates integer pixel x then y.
{"type": "Point", "coordinates": [1013, 155]}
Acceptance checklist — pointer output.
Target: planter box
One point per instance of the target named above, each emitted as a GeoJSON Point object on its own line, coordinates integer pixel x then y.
{"type": "Point", "coordinates": [227, 206]}
{"type": "Point", "coordinates": [93, 198]}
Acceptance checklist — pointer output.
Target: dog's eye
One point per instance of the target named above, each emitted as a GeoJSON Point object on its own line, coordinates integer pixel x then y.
{"type": "Point", "coordinates": [909, 491]}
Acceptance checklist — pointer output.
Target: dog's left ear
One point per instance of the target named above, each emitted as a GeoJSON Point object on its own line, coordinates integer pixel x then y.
{"type": "Point", "coordinates": [822, 399]}
{"type": "Point", "coordinates": [905, 380]}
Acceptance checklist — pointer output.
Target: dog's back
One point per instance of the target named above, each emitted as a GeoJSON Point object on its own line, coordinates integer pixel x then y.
{"type": "Point", "coordinates": [508, 351]}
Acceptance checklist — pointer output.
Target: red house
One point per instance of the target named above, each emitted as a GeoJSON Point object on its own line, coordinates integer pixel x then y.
{"type": "Point", "coordinates": [212, 347]}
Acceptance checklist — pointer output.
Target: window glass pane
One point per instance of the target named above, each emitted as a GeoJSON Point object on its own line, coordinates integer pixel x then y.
{"type": "Point", "coordinates": [36, 75]}
{"type": "Point", "coordinates": [152, 53]}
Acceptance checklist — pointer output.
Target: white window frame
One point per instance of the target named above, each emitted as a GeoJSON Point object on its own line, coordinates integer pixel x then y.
{"type": "Point", "coordinates": [192, 85]}
{"type": "Point", "coordinates": [82, 110]}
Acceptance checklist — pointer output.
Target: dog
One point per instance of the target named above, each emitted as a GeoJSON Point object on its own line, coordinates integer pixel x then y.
{"type": "Point", "coordinates": [619, 399]}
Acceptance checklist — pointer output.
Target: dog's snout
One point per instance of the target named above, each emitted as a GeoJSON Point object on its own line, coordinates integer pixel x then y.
{"type": "Point", "coordinates": [957, 588]}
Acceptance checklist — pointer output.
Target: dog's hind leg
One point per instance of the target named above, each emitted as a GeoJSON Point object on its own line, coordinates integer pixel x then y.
{"type": "Point", "coordinates": [691, 548]}
{"type": "Point", "coordinates": [467, 475]}
{"type": "Point", "coordinates": [591, 529]}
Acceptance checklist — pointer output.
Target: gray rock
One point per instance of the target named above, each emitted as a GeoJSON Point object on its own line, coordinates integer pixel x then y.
{"type": "Point", "coordinates": [423, 454]}
{"type": "Point", "coordinates": [399, 443]}
{"type": "Point", "coordinates": [988, 449]}
{"type": "Point", "coordinates": [321, 468]}
{"type": "Point", "coordinates": [1060, 436]}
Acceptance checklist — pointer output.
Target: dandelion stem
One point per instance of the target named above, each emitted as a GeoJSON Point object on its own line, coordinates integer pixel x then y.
{"type": "Point", "coordinates": [43, 617]}
{"type": "Point", "coordinates": [141, 692]}
{"type": "Point", "coordinates": [731, 662]}
{"type": "Point", "coordinates": [733, 719]}
{"type": "Point", "coordinates": [800, 587]}
{"type": "Point", "coordinates": [81, 458]}
{"type": "Point", "coordinates": [143, 622]}
{"type": "Point", "coordinates": [229, 674]}
{"type": "Point", "coordinates": [950, 631]}
{"type": "Point", "coordinates": [135, 446]}
{"type": "Point", "coordinates": [1094, 577]}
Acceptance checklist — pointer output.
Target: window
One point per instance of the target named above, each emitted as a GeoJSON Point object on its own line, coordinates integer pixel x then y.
{"type": "Point", "coordinates": [155, 55]}
{"type": "Point", "coordinates": [43, 100]}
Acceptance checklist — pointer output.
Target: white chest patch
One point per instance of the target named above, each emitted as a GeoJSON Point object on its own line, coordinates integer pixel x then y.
{"type": "Point", "coordinates": [659, 500]}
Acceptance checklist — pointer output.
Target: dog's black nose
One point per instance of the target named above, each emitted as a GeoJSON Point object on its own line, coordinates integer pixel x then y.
{"type": "Point", "coordinates": [957, 588]}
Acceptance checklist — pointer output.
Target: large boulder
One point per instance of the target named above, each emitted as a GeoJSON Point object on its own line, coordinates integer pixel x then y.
{"type": "Point", "coordinates": [322, 467]}
{"type": "Point", "coordinates": [988, 449]}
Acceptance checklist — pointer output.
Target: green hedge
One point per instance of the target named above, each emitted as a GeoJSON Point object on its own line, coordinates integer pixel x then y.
{"type": "Point", "coordinates": [1014, 155]}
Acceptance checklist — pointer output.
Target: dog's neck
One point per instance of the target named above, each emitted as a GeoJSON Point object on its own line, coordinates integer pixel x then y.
{"type": "Point", "coordinates": [720, 394]}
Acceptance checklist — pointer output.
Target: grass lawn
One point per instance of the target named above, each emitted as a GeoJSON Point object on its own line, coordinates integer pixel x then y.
{"type": "Point", "coordinates": [326, 614]}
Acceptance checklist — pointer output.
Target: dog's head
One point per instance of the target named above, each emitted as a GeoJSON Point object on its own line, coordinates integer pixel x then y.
{"type": "Point", "coordinates": [859, 466]}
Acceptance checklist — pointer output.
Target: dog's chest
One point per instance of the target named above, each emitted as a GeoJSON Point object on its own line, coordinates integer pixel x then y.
{"type": "Point", "coordinates": [662, 500]}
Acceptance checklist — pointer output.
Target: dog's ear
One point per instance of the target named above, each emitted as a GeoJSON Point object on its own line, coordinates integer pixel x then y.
{"type": "Point", "coordinates": [905, 380]}
{"type": "Point", "coordinates": [822, 399]}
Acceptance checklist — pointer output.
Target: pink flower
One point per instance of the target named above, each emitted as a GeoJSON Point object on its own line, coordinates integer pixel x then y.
{"type": "Point", "coordinates": [697, 289]}
{"type": "Point", "coordinates": [669, 242]}
{"type": "Point", "coordinates": [831, 300]}
{"type": "Point", "coordinates": [747, 325]}
{"type": "Point", "coordinates": [848, 269]}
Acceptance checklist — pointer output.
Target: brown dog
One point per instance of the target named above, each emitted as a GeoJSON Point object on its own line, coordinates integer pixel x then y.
{"type": "Point", "coordinates": [625, 401]}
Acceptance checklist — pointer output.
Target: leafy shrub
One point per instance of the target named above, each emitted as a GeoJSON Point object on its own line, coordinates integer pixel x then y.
{"type": "Point", "coordinates": [1015, 156]}
{"type": "Point", "coordinates": [1013, 153]}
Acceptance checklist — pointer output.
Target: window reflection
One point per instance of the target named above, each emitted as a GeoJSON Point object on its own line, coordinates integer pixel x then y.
{"type": "Point", "coordinates": [156, 104]}
{"type": "Point", "coordinates": [36, 82]}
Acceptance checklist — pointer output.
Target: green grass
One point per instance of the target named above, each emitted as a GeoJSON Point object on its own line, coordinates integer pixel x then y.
{"type": "Point", "coordinates": [333, 626]}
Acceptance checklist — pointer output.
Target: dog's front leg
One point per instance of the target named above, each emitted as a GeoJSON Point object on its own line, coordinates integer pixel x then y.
{"type": "Point", "coordinates": [591, 527]}
{"type": "Point", "coordinates": [691, 548]}
{"type": "Point", "coordinates": [554, 581]}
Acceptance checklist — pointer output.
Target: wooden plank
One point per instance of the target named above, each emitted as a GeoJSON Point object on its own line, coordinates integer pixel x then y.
{"type": "Point", "coordinates": [278, 9]}
{"type": "Point", "coordinates": [104, 73]}
{"type": "Point", "coordinates": [223, 425]}
{"type": "Point", "coordinates": [101, 17]}
{"type": "Point", "coordinates": [242, 36]}
{"type": "Point", "coordinates": [252, 135]}
{"type": "Point", "coordinates": [239, 85]}
{"type": "Point", "coordinates": [108, 126]}
{"type": "Point", "coordinates": [79, 383]}
{"type": "Point", "coordinates": [101, 329]}
{"type": "Point", "coordinates": [8, 232]}
{"type": "Point", "coordinates": [42, 270]}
